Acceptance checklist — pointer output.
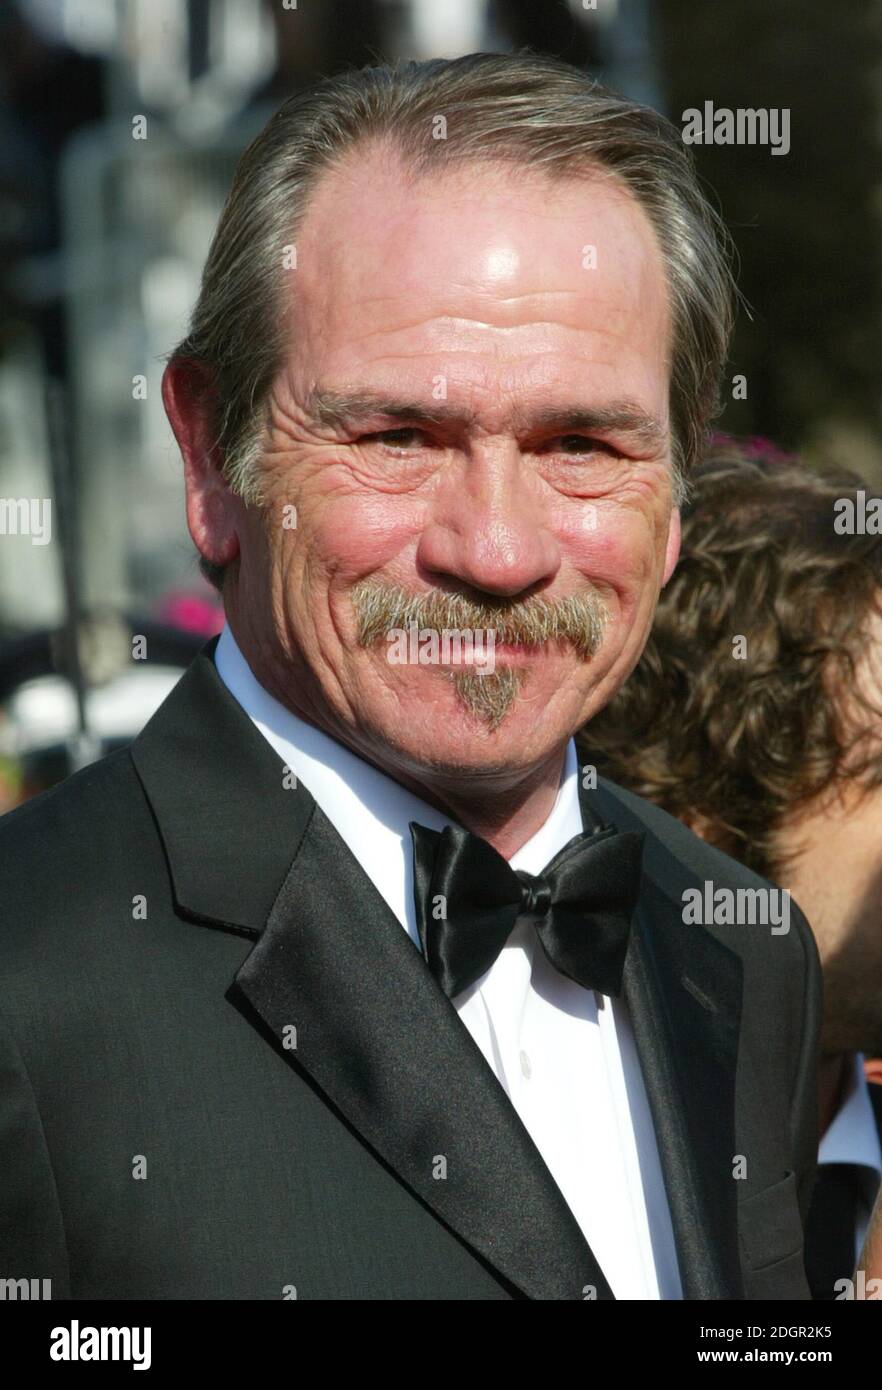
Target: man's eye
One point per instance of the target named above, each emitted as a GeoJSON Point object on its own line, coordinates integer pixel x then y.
{"type": "Point", "coordinates": [404, 438]}
{"type": "Point", "coordinates": [580, 444]}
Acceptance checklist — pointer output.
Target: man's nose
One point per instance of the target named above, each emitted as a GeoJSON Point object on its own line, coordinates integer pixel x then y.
{"type": "Point", "coordinates": [488, 527]}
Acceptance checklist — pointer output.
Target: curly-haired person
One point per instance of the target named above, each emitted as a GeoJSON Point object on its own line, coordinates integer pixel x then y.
{"type": "Point", "coordinates": [755, 716]}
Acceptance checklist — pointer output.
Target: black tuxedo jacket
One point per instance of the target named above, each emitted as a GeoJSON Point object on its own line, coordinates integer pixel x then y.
{"type": "Point", "coordinates": [227, 1073]}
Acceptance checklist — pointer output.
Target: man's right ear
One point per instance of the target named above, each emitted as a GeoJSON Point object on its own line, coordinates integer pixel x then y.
{"type": "Point", "coordinates": [213, 511]}
{"type": "Point", "coordinates": [699, 825]}
{"type": "Point", "coordinates": [714, 833]}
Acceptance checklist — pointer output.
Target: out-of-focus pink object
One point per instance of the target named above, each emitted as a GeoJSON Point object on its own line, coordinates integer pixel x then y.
{"type": "Point", "coordinates": [191, 613]}
{"type": "Point", "coordinates": [754, 446]}
{"type": "Point", "coordinates": [873, 1070]}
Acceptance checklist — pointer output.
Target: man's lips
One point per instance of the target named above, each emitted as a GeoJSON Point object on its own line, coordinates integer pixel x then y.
{"type": "Point", "coordinates": [511, 651]}
{"type": "Point", "coordinates": [522, 648]}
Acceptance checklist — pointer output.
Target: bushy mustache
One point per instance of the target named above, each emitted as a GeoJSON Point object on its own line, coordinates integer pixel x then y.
{"type": "Point", "coordinates": [577, 618]}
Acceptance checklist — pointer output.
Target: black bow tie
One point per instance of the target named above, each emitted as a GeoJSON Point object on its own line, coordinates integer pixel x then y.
{"type": "Point", "coordinates": [468, 900]}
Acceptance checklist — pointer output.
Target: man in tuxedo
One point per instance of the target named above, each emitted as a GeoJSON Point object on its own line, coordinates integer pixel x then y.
{"type": "Point", "coordinates": [347, 981]}
{"type": "Point", "coordinates": [778, 759]}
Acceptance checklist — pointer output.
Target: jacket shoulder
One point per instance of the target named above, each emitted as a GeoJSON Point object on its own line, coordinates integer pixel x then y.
{"type": "Point", "coordinates": [70, 849]}
{"type": "Point", "coordinates": [678, 861]}
{"type": "Point", "coordinates": [71, 810]}
{"type": "Point", "coordinates": [696, 855]}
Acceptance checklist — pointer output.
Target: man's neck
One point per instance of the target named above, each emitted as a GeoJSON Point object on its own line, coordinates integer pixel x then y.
{"type": "Point", "coordinates": [506, 819]}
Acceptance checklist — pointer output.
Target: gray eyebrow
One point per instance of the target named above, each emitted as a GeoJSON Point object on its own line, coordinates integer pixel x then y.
{"type": "Point", "coordinates": [621, 417]}
{"type": "Point", "coordinates": [346, 407]}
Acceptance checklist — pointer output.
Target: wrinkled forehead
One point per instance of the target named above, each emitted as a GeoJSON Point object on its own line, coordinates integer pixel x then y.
{"type": "Point", "coordinates": [504, 244]}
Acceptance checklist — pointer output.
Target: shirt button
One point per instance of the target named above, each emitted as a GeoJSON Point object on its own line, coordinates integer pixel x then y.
{"type": "Point", "coordinates": [526, 1066]}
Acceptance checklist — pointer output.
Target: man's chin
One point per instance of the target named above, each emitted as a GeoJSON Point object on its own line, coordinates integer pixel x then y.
{"type": "Point", "coordinates": [460, 719]}
{"type": "Point", "coordinates": [488, 698]}
{"type": "Point", "coordinates": [465, 743]}
{"type": "Point", "coordinates": [472, 762]}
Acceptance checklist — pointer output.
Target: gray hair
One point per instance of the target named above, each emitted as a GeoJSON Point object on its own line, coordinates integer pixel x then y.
{"type": "Point", "coordinates": [525, 109]}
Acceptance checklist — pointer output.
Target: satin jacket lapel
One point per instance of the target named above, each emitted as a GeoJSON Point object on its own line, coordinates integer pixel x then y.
{"type": "Point", "coordinates": [383, 1042]}
{"type": "Point", "coordinates": [683, 990]}
{"type": "Point", "coordinates": [248, 854]}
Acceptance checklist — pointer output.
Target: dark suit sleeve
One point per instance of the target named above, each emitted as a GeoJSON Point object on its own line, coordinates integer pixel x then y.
{"type": "Point", "coordinates": [804, 1104]}
{"type": "Point", "coordinates": [32, 1243]}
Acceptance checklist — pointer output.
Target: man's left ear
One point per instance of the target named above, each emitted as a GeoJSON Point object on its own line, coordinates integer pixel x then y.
{"type": "Point", "coordinates": [672, 549]}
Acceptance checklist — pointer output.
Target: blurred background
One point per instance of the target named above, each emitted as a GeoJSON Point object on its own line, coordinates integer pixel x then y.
{"type": "Point", "coordinates": [120, 125]}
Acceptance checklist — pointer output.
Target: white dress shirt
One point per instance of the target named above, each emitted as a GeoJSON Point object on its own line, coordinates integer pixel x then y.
{"type": "Point", "coordinates": [569, 1068]}
{"type": "Point", "coordinates": [852, 1137]}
